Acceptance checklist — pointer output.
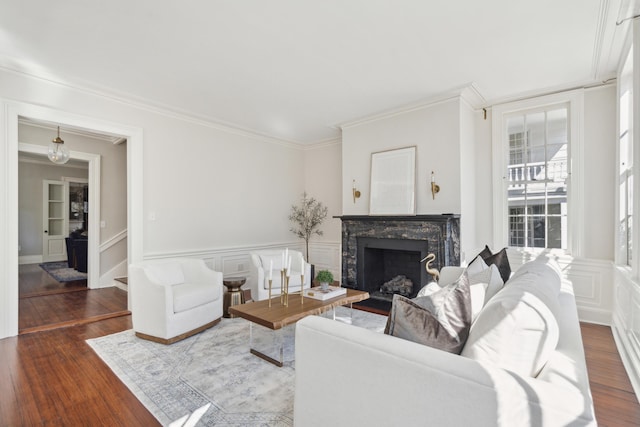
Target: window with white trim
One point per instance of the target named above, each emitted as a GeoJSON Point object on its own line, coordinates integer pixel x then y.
{"type": "Point", "coordinates": [534, 162]}
{"type": "Point", "coordinates": [625, 163]}
{"type": "Point", "coordinates": [537, 178]}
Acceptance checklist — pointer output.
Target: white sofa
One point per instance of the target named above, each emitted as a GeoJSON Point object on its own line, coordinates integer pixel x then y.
{"type": "Point", "coordinates": [262, 261]}
{"type": "Point", "coordinates": [346, 376]}
{"type": "Point", "coordinates": [174, 298]}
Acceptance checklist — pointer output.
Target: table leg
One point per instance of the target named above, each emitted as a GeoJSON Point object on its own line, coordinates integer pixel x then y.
{"type": "Point", "coordinates": [276, 355]}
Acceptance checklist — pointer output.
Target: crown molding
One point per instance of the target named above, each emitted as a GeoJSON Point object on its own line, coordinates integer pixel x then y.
{"type": "Point", "coordinates": [587, 85]}
{"type": "Point", "coordinates": [18, 67]}
{"type": "Point", "coordinates": [113, 139]}
{"type": "Point", "coordinates": [323, 144]}
{"type": "Point", "coordinates": [468, 93]}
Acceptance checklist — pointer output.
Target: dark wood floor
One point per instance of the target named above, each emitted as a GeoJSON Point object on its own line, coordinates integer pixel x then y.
{"type": "Point", "coordinates": [45, 303]}
{"type": "Point", "coordinates": [52, 377]}
{"type": "Point", "coordinates": [615, 402]}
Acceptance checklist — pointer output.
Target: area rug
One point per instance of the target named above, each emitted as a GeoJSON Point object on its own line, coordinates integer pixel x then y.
{"type": "Point", "coordinates": [61, 271]}
{"type": "Point", "coordinates": [214, 367]}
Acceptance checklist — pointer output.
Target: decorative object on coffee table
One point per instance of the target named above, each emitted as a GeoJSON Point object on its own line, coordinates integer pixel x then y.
{"type": "Point", "coordinates": [325, 278]}
{"type": "Point", "coordinates": [234, 295]}
{"type": "Point", "coordinates": [322, 294]}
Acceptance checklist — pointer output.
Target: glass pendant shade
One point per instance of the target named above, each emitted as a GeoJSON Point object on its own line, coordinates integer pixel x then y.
{"type": "Point", "coordinates": [58, 153]}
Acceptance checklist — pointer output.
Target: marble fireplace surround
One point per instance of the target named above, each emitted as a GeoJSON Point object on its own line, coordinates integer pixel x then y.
{"type": "Point", "coordinates": [440, 234]}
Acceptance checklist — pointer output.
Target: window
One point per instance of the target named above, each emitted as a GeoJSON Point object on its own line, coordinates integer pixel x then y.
{"type": "Point", "coordinates": [625, 163]}
{"type": "Point", "coordinates": [537, 175]}
{"type": "Point", "coordinates": [536, 157]}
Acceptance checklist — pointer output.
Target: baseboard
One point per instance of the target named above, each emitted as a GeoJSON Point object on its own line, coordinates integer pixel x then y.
{"type": "Point", "coordinates": [594, 315]}
{"type": "Point", "coordinates": [107, 279]}
{"type": "Point", "coordinates": [30, 259]}
{"type": "Point", "coordinates": [629, 358]}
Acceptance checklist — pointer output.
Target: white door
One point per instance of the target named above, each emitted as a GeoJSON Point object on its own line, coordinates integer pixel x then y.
{"type": "Point", "coordinates": [55, 220]}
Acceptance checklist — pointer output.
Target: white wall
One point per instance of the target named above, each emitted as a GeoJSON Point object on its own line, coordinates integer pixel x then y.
{"type": "Point", "coordinates": [483, 182]}
{"type": "Point", "coordinates": [599, 172]}
{"type": "Point", "coordinates": [433, 129]}
{"type": "Point", "coordinates": [213, 190]}
{"type": "Point", "coordinates": [323, 181]}
{"type": "Point", "coordinates": [469, 170]}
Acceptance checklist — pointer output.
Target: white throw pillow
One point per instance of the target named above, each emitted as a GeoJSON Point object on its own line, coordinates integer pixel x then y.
{"type": "Point", "coordinates": [449, 275]}
{"type": "Point", "coordinates": [477, 266]}
{"type": "Point", "coordinates": [429, 289]}
{"type": "Point", "coordinates": [477, 293]}
{"type": "Point", "coordinates": [517, 330]}
{"type": "Point", "coordinates": [492, 280]}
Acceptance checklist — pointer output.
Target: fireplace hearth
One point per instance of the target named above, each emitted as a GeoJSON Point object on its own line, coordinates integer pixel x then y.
{"type": "Point", "coordinates": [376, 250]}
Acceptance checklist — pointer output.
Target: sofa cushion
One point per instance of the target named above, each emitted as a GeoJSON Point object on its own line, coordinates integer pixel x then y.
{"type": "Point", "coordinates": [542, 277]}
{"type": "Point", "coordinates": [518, 330]}
{"type": "Point", "coordinates": [189, 295]}
{"type": "Point", "coordinates": [441, 320]}
{"type": "Point", "coordinates": [166, 274]}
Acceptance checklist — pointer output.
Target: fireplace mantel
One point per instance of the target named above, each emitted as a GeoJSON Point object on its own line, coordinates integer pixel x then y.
{"type": "Point", "coordinates": [443, 217]}
{"type": "Point", "coordinates": [440, 233]}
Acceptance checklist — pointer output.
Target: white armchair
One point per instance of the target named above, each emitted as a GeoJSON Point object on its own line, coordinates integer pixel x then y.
{"type": "Point", "coordinates": [174, 298]}
{"type": "Point", "coordinates": [260, 263]}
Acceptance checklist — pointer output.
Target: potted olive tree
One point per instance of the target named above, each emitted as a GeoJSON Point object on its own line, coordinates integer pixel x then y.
{"type": "Point", "coordinates": [307, 218]}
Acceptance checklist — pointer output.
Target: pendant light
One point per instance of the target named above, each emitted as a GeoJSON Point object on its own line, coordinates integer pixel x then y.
{"type": "Point", "coordinates": [58, 153]}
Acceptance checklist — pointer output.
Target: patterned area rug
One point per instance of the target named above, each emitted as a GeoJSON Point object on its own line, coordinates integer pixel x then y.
{"type": "Point", "coordinates": [214, 366]}
{"type": "Point", "coordinates": [61, 271]}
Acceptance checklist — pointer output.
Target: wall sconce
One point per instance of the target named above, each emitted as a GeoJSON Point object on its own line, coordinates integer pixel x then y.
{"type": "Point", "coordinates": [356, 193]}
{"type": "Point", "coordinates": [435, 188]}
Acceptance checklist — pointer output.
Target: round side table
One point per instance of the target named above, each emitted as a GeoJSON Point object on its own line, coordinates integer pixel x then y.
{"type": "Point", "coordinates": [234, 295]}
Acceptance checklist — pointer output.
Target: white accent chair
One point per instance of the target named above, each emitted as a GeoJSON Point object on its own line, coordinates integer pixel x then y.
{"type": "Point", "coordinates": [260, 263]}
{"type": "Point", "coordinates": [174, 298]}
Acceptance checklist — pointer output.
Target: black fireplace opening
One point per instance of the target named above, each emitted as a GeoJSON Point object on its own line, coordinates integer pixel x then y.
{"type": "Point", "coordinates": [391, 266]}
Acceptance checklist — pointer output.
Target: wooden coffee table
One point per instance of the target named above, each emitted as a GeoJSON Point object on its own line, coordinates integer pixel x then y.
{"type": "Point", "coordinates": [278, 316]}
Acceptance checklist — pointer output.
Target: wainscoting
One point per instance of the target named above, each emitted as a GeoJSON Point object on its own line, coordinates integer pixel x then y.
{"type": "Point", "coordinates": [626, 323]}
{"type": "Point", "coordinates": [592, 279]}
{"type": "Point", "coordinates": [591, 283]}
{"type": "Point", "coordinates": [236, 261]}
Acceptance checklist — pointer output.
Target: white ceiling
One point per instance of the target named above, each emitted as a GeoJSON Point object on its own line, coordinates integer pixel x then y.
{"type": "Point", "coordinates": [297, 69]}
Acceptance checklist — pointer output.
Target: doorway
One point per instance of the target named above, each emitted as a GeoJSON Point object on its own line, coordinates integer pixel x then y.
{"type": "Point", "coordinates": [12, 110]}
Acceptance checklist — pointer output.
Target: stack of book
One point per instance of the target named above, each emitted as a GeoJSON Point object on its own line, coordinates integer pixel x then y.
{"type": "Point", "coordinates": [324, 294]}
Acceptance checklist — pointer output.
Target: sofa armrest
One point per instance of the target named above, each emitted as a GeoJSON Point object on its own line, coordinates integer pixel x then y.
{"type": "Point", "coordinates": [338, 365]}
{"type": "Point", "coordinates": [147, 293]}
